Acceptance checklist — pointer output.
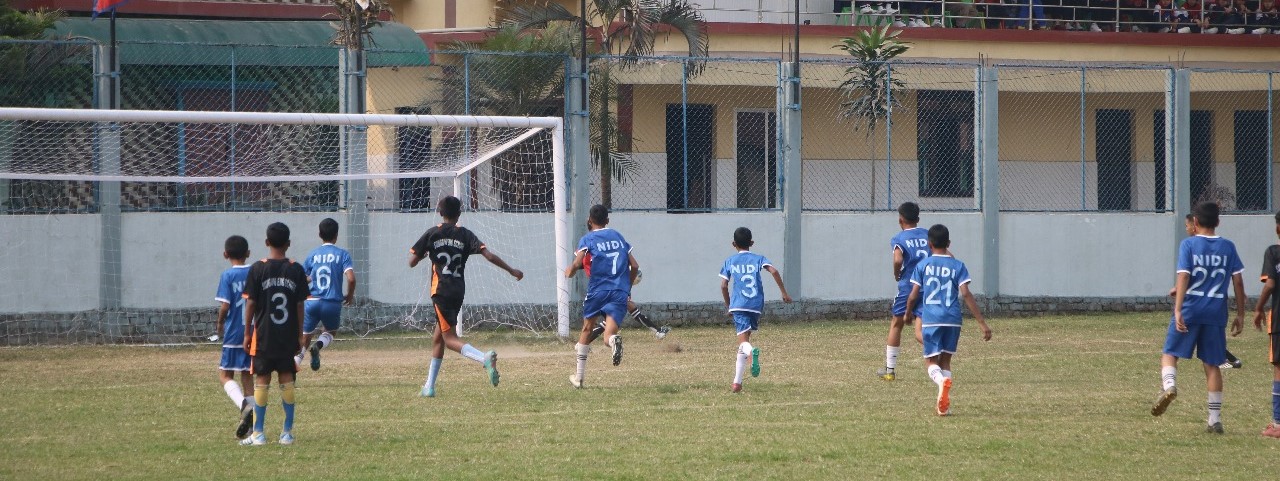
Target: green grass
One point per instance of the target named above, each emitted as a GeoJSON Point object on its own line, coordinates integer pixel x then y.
{"type": "Point", "coordinates": [1047, 398]}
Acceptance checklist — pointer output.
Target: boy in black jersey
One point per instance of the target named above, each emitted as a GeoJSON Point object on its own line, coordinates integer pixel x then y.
{"type": "Point", "coordinates": [274, 293]}
{"type": "Point", "coordinates": [448, 246]}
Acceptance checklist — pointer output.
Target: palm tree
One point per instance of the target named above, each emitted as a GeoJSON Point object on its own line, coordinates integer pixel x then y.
{"type": "Point", "coordinates": [625, 28]}
{"type": "Point", "coordinates": [868, 88]}
{"type": "Point", "coordinates": [355, 19]}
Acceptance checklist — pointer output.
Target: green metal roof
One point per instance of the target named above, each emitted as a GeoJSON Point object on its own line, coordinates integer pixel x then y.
{"type": "Point", "coordinates": [216, 42]}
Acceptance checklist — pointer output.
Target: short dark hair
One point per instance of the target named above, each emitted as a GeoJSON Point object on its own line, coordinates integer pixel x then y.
{"type": "Point", "coordinates": [742, 237]}
{"type": "Point", "coordinates": [909, 212]}
{"type": "Point", "coordinates": [1278, 218]}
{"type": "Point", "coordinates": [1206, 214]}
{"type": "Point", "coordinates": [449, 207]}
{"type": "Point", "coordinates": [1192, 216]}
{"type": "Point", "coordinates": [236, 247]}
{"type": "Point", "coordinates": [329, 230]}
{"type": "Point", "coordinates": [278, 235]}
{"type": "Point", "coordinates": [939, 236]}
{"type": "Point", "coordinates": [599, 215]}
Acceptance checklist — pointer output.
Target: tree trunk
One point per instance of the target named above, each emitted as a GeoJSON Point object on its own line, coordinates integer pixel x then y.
{"type": "Point", "coordinates": [605, 159]}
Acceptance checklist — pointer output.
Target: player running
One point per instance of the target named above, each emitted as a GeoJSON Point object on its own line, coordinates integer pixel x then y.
{"type": "Point", "coordinates": [326, 266]}
{"type": "Point", "coordinates": [908, 247]}
{"type": "Point", "coordinates": [612, 272]}
{"type": "Point", "coordinates": [743, 288]}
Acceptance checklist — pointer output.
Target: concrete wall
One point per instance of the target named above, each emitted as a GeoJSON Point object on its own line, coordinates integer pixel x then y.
{"type": "Point", "coordinates": [51, 263]}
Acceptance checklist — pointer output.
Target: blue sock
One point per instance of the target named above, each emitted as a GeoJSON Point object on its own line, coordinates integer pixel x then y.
{"type": "Point", "coordinates": [1275, 401]}
{"type": "Point", "coordinates": [433, 372]}
{"type": "Point", "coordinates": [287, 401]}
{"type": "Point", "coordinates": [259, 417]}
{"type": "Point", "coordinates": [472, 353]}
{"type": "Point", "coordinates": [288, 415]}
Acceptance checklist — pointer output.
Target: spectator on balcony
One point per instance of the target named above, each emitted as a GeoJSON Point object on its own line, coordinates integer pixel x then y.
{"type": "Point", "coordinates": [1029, 10]}
{"type": "Point", "coordinates": [1078, 15]}
{"type": "Point", "coordinates": [1224, 16]}
{"type": "Point", "coordinates": [1190, 16]}
{"type": "Point", "coordinates": [1138, 15]}
{"type": "Point", "coordinates": [1266, 18]}
{"type": "Point", "coordinates": [923, 13]}
{"type": "Point", "coordinates": [964, 15]}
{"type": "Point", "coordinates": [1166, 16]}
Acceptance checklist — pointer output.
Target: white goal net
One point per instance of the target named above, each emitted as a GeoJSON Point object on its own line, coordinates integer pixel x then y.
{"type": "Point", "coordinates": [113, 222]}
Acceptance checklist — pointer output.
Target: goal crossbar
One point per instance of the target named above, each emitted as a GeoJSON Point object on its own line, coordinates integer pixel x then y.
{"type": "Point", "coordinates": [287, 118]}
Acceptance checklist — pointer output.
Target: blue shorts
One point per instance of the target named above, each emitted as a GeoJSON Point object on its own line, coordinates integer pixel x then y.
{"type": "Point", "coordinates": [234, 359]}
{"type": "Point", "coordinates": [744, 321]}
{"type": "Point", "coordinates": [940, 339]}
{"type": "Point", "coordinates": [900, 303]}
{"type": "Point", "coordinates": [607, 303]}
{"type": "Point", "coordinates": [321, 311]}
{"type": "Point", "coordinates": [1207, 341]}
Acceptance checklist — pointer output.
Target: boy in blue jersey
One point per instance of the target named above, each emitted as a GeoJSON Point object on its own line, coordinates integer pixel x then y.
{"type": "Point", "coordinates": [1232, 362]}
{"type": "Point", "coordinates": [742, 286]}
{"type": "Point", "coordinates": [908, 247]}
{"type": "Point", "coordinates": [231, 325]}
{"type": "Point", "coordinates": [1270, 274]}
{"type": "Point", "coordinates": [611, 269]}
{"type": "Point", "coordinates": [326, 267]}
{"type": "Point", "coordinates": [1206, 263]}
{"type": "Point", "coordinates": [938, 283]}
{"type": "Point", "coordinates": [447, 246]}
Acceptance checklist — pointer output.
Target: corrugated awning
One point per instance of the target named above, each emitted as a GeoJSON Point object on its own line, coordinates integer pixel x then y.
{"type": "Point", "coordinates": [215, 42]}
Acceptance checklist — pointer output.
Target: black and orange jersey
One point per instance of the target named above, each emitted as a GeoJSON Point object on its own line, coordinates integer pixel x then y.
{"type": "Point", "coordinates": [447, 246]}
{"type": "Point", "coordinates": [1271, 270]}
{"type": "Point", "coordinates": [277, 287]}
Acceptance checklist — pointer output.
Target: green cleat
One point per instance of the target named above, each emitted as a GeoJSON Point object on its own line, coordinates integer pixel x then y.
{"type": "Point", "coordinates": [886, 373]}
{"type": "Point", "coordinates": [1162, 402]}
{"type": "Point", "coordinates": [755, 362]}
{"type": "Point", "coordinates": [427, 392]}
{"type": "Point", "coordinates": [491, 365]}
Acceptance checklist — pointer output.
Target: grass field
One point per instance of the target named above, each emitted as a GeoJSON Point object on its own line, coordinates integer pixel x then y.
{"type": "Point", "coordinates": [1047, 398]}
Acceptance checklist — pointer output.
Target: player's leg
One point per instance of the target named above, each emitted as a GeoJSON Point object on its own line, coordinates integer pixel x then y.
{"type": "Point", "coordinates": [433, 369]}
{"type": "Point", "coordinates": [310, 321]}
{"type": "Point", "coordinates": [287, 401]}
{"type": "Point", "coordinates": [1273, 356]}
{"type": "Point", "coordinates": [1176, 345]}
{"type": "Point", "coordinates": [740, 363]}
{"type": "Point", "coordinates": [892, 346]}
{"type": "Point", "coordinates": [330, 317]}
{"type": "Point", "coordinates": [246, 407]}
{"type": "Point", "coordinates": [227, 378]}
{"type": "Point", "coordinates": [447, 310]}
{"type": "Point", "coordinates": [744, 323]}
{"type": "Point", "coordinates": [633, 310]}
{"type": "Point", "coordinates": [934, 339]}
{"type": "Point", "coordinates": [614, 310]}
{"type": "Point", "coordinates": [1211, 346]}
{"type": "Point", "coordinates": [262, 382]}
{"type": "Point", "coordinates": [583, 348]}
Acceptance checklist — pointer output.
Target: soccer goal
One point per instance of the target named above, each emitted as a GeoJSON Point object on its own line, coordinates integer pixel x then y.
{"type": "Point", "coordinates": [114, 220]}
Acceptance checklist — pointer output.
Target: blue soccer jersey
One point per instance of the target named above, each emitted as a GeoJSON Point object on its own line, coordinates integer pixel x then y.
{"type": "Point", "coordinates": [742, 270]}
{"type": "Point", "coordinates": [230, 291]}
{"type": "Point", "coordinates": [1211, 262]}
{"type": "Point", "coordinates": [607, 261]}
{"type": "Point", "coordinates": [327, 266]}
{"type": "Point", "coordinates": [940, 278]}
{"type": "Point", "coordinates": [914, 244]}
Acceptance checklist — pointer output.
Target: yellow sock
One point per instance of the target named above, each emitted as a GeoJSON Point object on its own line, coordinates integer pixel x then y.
{"type": "Point", "coordinates": [260, 394]}
{"type": "Point", "coordinates": [286, 392]}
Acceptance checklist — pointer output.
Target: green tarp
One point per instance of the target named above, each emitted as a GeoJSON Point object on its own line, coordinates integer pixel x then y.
{"type": "Point", "coordinates": [224, 42]}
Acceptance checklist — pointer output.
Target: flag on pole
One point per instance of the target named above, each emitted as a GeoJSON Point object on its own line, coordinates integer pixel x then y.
{"type": "Point", "coordinates": [102, 6]}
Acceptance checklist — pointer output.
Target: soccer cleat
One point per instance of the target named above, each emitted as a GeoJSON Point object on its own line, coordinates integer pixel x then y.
{"type": "Point", "coordinates": [944, 398]}
{"type": "Point", "coordinates": [886, 373]}
{"type": "Point", "coordinates": [1184, 30]}
{"type": "Point", "coordinates": [616, 343]}
{"type": "Point", "coordinates": [1162, 402]}
{"type": "Point", "coordinates": [1272, 431]}
{"type": "Point", "coordinates": [736, 388]}
{"type": "Point", "coordinates": [1215, 428]}
{"type": "Point", "coordinates": [286, 438]}
{"type": "Point", "coordinates": [575, 381]}
{"type": "Point", "coordinates": [246, 419]}
{"type": "Point", "coordinates": [247, 441]}
{"type": "Point", "coordinates": [661, 332]}
{"type": "Point", "coordinates": [257, 439]}
{"type": "Point", "coordinates": [755, 362]}
{"type": "Point", "coordinates": [427, 392]}
{"type": "Point", "coordinates": [491, 366]}
{"type": "Point", "coordinates": [315, 356]}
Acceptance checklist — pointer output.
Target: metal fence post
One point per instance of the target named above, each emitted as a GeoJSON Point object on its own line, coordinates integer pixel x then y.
{"type": "Point", "coordinates": [987, 132]}
{"type": "Point", "coordinates": [1270, 143]}
{"type": "Point", "coordinates": [1177, 125]}
{"type": "Point", "coordinates": [1084, 173]}
{"type": "Point", "coordinates": [235, 128]}
{"type": "Point", "coordinates": [789, 150]}
{"type": "Point", "coordinates": [684, 129]}
{"type": "Point", "coordinates": [888, 139]}
{"type": "Point", "coordinates": [578, 150]}
{"type": "Point", "coordinates": [356, 154]}
{"type": "Point", "coordinates": [108, 153]}
{"type": "Point", "coordinates": [463, 183]}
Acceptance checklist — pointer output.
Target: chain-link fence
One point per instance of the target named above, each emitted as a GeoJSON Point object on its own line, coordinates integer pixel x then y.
{"type": "Point", "coordinates": [670, 133]}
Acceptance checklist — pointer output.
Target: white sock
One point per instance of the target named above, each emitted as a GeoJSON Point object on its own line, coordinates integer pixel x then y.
{"type": "Point", "coordinates": [891, 356]}
{"type": "Point", "coordinates": [1168, 376]}
{"type": "Point", "coordinates": [1215, 407]}
{"type": "Point", "coordinates": [739, 366]}
{"type": "Point", "coordinates": [234, 392]}
{"type": "Point", "coordinates": [946, 374]}
{"type": "Point", "coordinates": [745, 348]}
{"type": "Point", "coordinates": [325, 339]}
{"type": "Point", "coordinates": [582, 350]}
{"type": "Point", "coordinates": [935, 373]}
{"type": "Point", "coordinates": [472, 353]}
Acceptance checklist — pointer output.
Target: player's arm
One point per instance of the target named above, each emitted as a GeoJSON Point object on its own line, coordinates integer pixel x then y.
{"type": "Point", "coordinates": [1237, 326]}
{"type": "Point", "coordinates": [777, 277]}
{"type": "Point", "coordinates": [576, 265]}
{"type": "Point", "coordinates": [497, 261]}
{"type": "Point", "coordinates": [1180, 295]}
{"type": "Point", "coordinates": [1260, 311]}
{"type": "Point", "coordinates": [302, 313]}
{"type": "Point", "coordinates": [250, 310]}
{"type": "Point", "coordinates": [350, 274]}
{"type": "Point", "coordinates": [635, 267]}
{"type": "Point", "coordinates": [897, 263]}
{"type": "Point", "coordinates": [415, 258]}
{"type": "Point", "coordinates": [223, 309]}
{"type": "Point", "coordinates": [912, 297]}
{"type": "Point", "coordinates": [972, 304]}
{"type": "Point", "coordinates": [724, 290]}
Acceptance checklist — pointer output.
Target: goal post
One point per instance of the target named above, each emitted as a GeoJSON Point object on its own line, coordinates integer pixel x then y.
{"type": "Point", "coordinates": [190, 179]}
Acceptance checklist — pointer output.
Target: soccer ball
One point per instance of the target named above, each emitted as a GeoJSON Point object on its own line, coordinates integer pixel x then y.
{"type": "Point", "coordinates": [639, 277]}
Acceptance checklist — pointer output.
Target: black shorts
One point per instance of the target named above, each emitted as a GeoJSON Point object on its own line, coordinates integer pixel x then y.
{"type": "Point", "coordinates": [447, 310]}
{"type": "Point", "coordinates": [268, 365]}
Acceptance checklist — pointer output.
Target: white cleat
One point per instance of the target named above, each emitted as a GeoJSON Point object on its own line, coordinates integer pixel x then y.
{"type": "Point", "coordinates": [575, 381]}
